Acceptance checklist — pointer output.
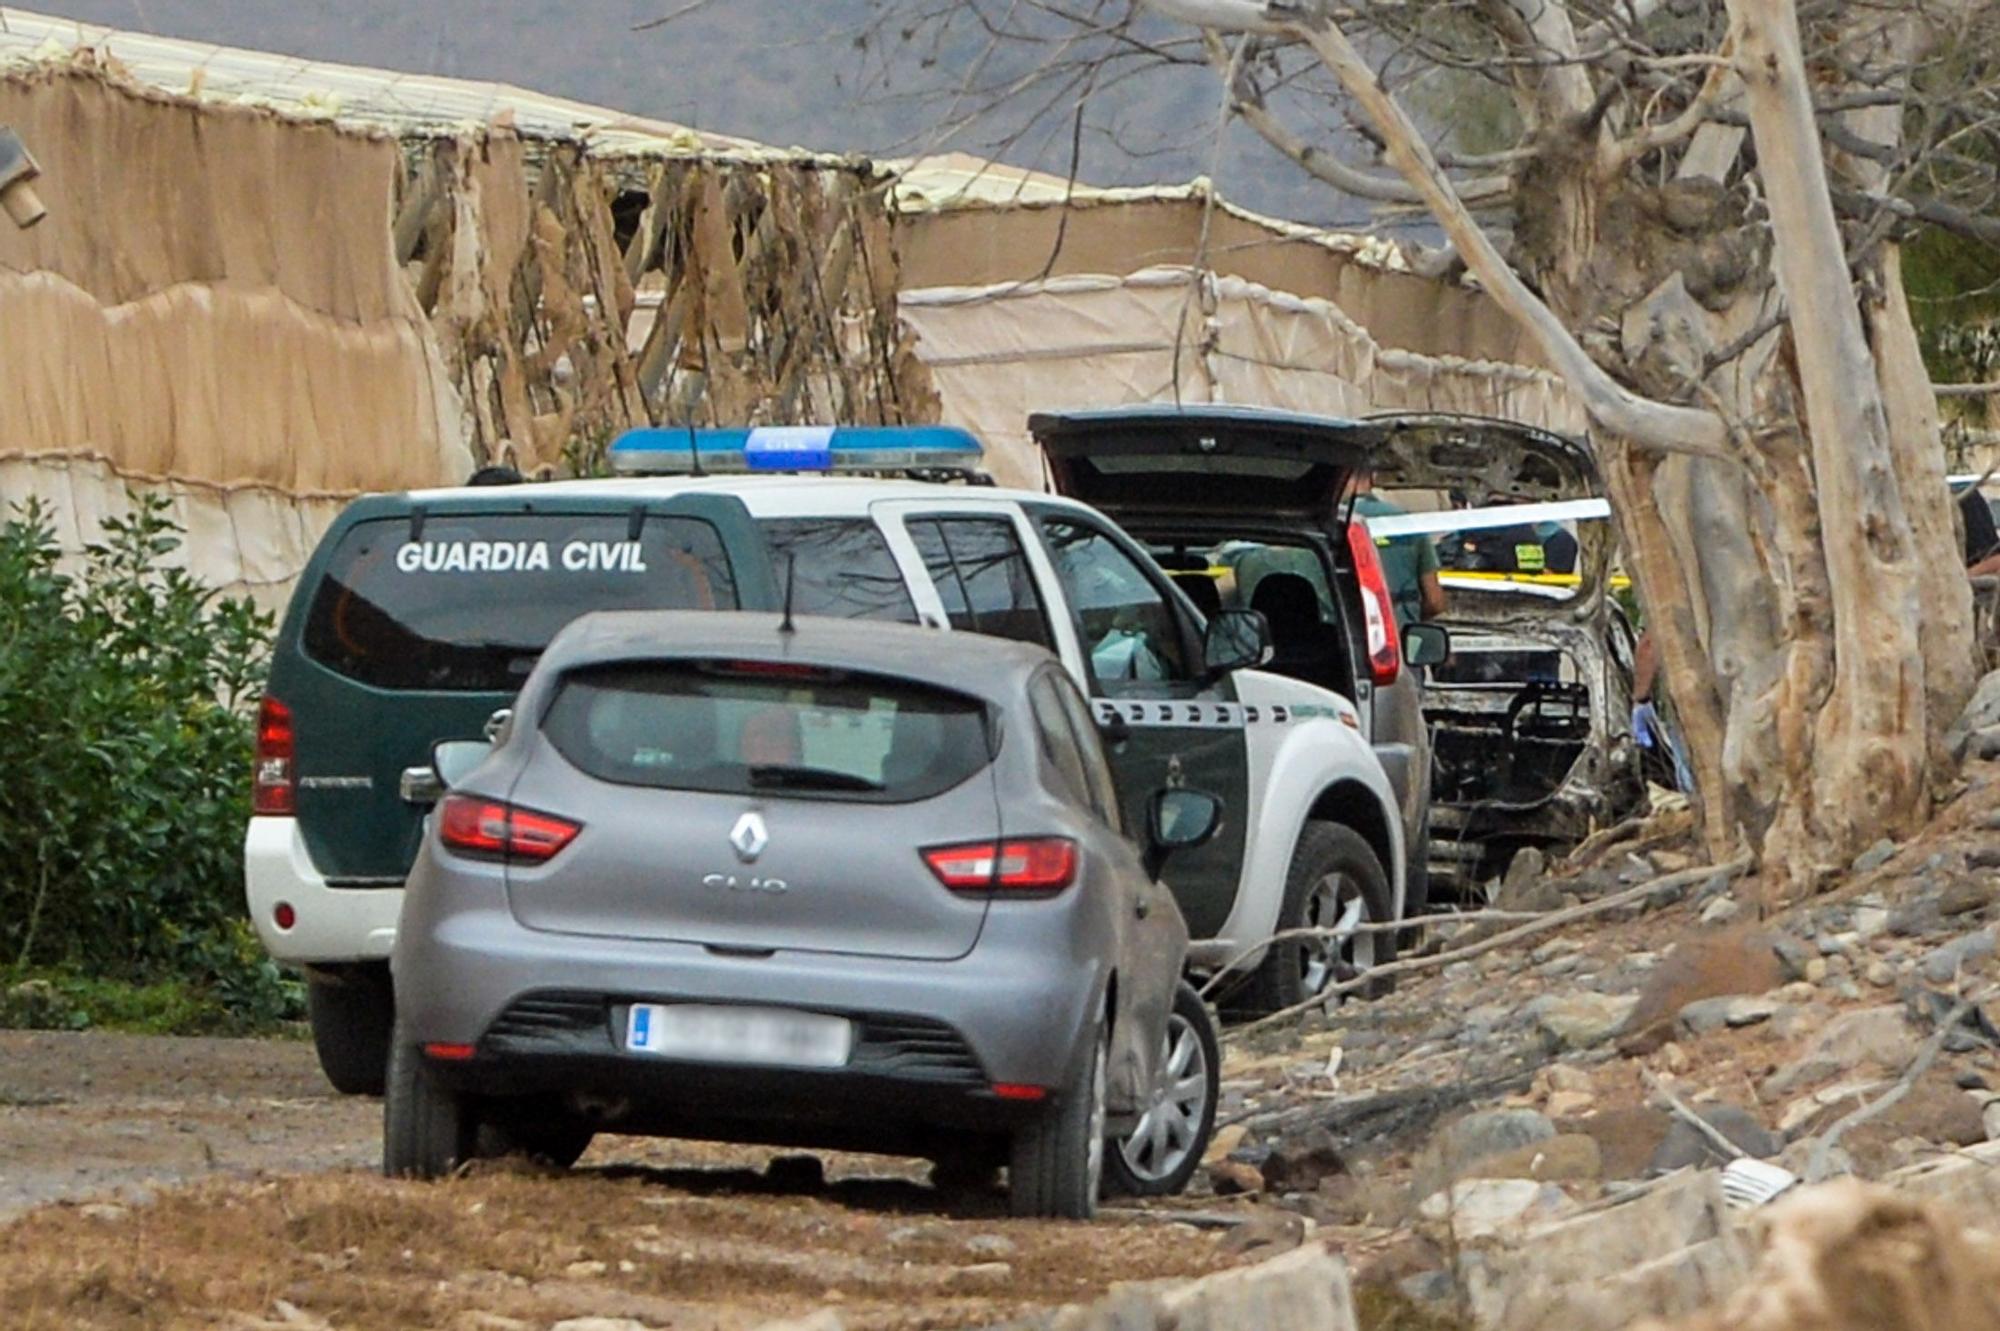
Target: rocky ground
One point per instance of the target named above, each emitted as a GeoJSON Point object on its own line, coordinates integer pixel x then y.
{"type": "Point", "coordinates": [1547, 1078]}
{"type": "Point", "coordinates": [1520, 1117]}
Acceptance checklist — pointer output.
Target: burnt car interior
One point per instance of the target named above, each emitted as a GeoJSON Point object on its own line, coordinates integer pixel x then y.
{"type": "Point", "coordinates": [1507, 726]}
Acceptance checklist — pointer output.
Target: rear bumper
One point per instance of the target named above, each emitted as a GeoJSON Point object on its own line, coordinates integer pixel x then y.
{"type": "Point", "coordinates": [331, 924]}
{"type": "Point", "coordinates": [546, 1014]}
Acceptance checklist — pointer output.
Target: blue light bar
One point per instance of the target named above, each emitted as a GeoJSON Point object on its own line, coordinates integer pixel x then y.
{"type": "Point", "coordinates": [674, 450]}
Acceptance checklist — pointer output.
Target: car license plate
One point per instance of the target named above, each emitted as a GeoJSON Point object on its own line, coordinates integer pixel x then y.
{"type": "Point", "coordinates": [709, 1033]}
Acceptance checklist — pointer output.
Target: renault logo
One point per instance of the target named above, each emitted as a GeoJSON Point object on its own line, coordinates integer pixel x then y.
{"type": "Point", "coordinates": [749, 838]}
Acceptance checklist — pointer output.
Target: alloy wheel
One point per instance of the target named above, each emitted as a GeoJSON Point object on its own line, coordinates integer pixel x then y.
{"type": "Point", "coordinates": [1337, 905]}
{"type": "Point", "coordinates": [1170, 1128]}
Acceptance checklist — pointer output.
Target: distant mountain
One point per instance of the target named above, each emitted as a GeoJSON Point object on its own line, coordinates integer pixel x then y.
{"type": "Point", "coordinates": [773, 70]}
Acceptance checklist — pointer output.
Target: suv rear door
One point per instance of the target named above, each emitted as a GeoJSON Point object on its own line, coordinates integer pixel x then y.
{"type": "Point", "coordinates": [416, 620]}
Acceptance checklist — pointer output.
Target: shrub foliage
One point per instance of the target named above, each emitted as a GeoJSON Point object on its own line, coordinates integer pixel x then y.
{"type": "Point", "coordinates": [126, 692]}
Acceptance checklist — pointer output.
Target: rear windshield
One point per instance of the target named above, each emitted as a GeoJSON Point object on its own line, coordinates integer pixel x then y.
{"type": "Point", "coordinates": [739, 728]}
{"type": "Point", "coordinates": [472, 603]}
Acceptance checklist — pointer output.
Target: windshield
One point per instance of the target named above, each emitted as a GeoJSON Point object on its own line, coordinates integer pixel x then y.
{"type": "Point", "coordinates": [744, 727]}
{"type": "Point", "coordinates": [471, 602]}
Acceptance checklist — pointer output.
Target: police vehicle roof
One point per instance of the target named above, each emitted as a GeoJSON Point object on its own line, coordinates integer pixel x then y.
{"type": "Point", "coordinates": [809, 495]}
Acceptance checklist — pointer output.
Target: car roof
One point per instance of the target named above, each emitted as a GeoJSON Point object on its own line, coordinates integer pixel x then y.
{"type": "Point", "coordinates": [765, 496]}
{"type": "Point", "coordinates": [991, 669]}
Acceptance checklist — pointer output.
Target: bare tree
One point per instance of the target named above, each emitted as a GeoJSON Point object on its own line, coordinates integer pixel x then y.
{"type": "Point", "coordinates": [1698, 222]}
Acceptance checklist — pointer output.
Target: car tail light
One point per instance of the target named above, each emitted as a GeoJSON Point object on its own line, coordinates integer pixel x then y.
{"type": "Point", "coordinates": [1013, 1090]}
{"type": "Point", "coordinates": [1035, 864]}
{"type": "Point", "coordinates": [488, 829]}
{"type": "Point", "coordinates": [1378, 608]}
{"type": "Point", "coordinates": [451, 1053]}
{"type": "Point", "coordinates": [274, 787]}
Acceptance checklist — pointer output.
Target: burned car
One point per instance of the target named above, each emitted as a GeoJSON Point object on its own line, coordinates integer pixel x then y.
{"type": "Point", "coordinates": [1521, 738]}
{"type": "Point", "coordinates": [1530, 719]}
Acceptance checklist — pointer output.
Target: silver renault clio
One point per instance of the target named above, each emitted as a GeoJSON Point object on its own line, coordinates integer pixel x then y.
{"type": "Point", "coordinates": [824, 884]}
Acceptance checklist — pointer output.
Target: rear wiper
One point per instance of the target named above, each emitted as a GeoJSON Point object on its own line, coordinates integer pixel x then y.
{"type": "Point", "coordinates": [809, 778]}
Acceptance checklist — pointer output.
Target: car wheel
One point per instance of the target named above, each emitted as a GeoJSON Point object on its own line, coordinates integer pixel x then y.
{"type": "Point", "coordinates": [351, 1012]}
{"type": "Point", "coordinates": [1057, 1163]}
{"type": "Point", "coordinates": [428, 1130]}
{"type": "Point", "coordinates": [1336, 882]}
{"type": "Point", "coordinates": [1161, 1153]}
{"type": "Point", "coordinates": [540, 1132]}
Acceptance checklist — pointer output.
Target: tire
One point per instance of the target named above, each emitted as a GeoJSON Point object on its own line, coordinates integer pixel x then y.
{"type": "Point", "coordinates": [1160, 1155]}
{"type": "Point", "coordinates": [428, 1131]}
{"type": "Point", "coordinates": [538, 1131]}
{"type": "Point", "coordinates": [352, 1011]}
{"type": "Point", "coordinates": [1056, 1165]}
{"type": "Point", "coordinates": [1333, 869]}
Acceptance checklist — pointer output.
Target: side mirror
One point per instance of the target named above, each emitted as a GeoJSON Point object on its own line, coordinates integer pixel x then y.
{"type": "Point", "coordinates": [499, 725]}
{"type": "Point", "coordinates": [1179, 819]}
{"type": "Point", "coordinates": [452, 760]}
{"type": "Point", "coordinates": [1236, 640]}
{"type": "Point", "coordinates": [1426, 644]}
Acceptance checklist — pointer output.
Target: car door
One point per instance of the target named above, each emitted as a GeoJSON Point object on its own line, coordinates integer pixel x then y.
{"type": "Point", "coordinates": [1138, 910]}
{"type": "Point", "coordinates": [1141, 659]}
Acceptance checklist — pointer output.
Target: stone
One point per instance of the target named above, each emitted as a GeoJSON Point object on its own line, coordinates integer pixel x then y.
{"type": "Point", "coordinates": [1603, 1268]}
{"type": "Point", "coordinates": [990, 1273]}
{"type": "Point", "coordinates": [1722, 910]}
{"type": "Point", "coordinates": [1942, 964]}
{"type": "Point", "coordinates": [1306, 1289]}
{"type": "Point", "coordinates": [1962, 896]}
{"type": "Point", "coordinates": [1712, 1014]}
{"type": "Point", "coordinates": [1348, 1200]}
{"type": "Point", "coordinates": [1917, 918]}
{"type": "Point", "coordinates": [1982, 713]}
{"type": "Point", "coordinates": [600, 1324]}
{"type": "Point", "coordinates": [1266, 1233]}
{"type": "Point", "coordinates": [991, 1246]}
{"type": "Point", "coordinates": [1566, 1158]}
{"type": "Point", "coordinates": [1879, 1036]}
{"type": "Point", "coordinates": [1816, 971]}
{"type": "Point", "coordinates": [106, 1211]}
{"type": "Point", "coordinates": [1685, 1146]}
{"type": "Point", "coordinates": [1989, 1117]}
{"type": "Point", "coordinates": [1581, 1019]}
{"type": "Point", "coordinates": [1435, 1286]}
{"type": "Point", "coordinates": [1626, 1138]}
{"type": "Point", "coordinates": [1868, 921]}
{"type": "Point", "coordinates": [1674, 1058]}
{"type": "Point", "coordinates": [1474, 1208]}
{"type": "Point", "coordinates": [1563, 1077]}
{"type": "Point", "coordinates": [1299, 1162]}
{"type": "Point", "coordinates": [1729, 961]}
{"type": "Point", "coordinates": [585, 1270]}
{"type": "Point", "coordinates": [1873, 858]}
{"type": "Point", "coordinates": [1224, 1142]}
{"type": "Point", "coordinates": [1233, 1178]}
{"type": "Point", "coordinates": [1568, 1104]}
{"type": "Point", "coordinates": [1880, 974]}
{"type": "Point", "coordinates": [485, 1321]}
{"type": "Point", "coordinates": [1985, 857]}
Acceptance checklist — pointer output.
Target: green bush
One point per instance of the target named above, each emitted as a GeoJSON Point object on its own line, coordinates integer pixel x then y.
{"type": "Point", "coordinates": [125, 703]}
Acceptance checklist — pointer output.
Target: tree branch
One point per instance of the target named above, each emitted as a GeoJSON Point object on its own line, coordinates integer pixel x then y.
{"type": "Point", "coordinates": [1611, 405]}
{"type": "Point", "coordinates": [1328, 167]}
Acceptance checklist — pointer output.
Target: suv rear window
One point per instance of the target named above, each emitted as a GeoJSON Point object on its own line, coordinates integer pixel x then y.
{"type": "Point", "coordinates": [471, 604]}
{"type": "Point", "coordinates": [742, 727]}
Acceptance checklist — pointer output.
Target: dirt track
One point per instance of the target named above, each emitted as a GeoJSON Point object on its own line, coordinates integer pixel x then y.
{"type": "Point", "coordinates": [194, 1183]}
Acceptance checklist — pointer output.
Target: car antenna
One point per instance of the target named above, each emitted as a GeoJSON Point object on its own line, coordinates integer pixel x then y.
{"type": "Point", "coordinates": [694, 450]}
{"type": "Point", "coordinates": [791, 578]}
